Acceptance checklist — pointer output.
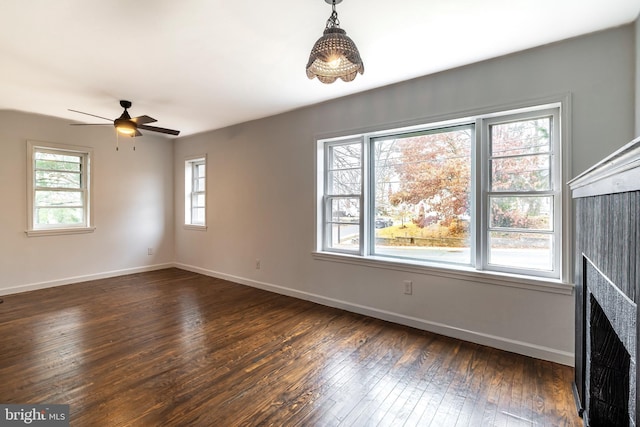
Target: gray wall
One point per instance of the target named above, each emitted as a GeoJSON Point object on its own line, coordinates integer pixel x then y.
{"type": "Point", "coordinates": [133, 206]}
{"type": "Point", "coordinates": [637, 82]}
{"type": "Point", "coordinates": [262, 184]}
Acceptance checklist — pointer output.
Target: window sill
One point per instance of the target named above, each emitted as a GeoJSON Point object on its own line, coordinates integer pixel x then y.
{"type": "Point", "coordinates": [59, 231]}
{"type": "Point", "coordinates": [457, 272]}
{"type": "Point", "coordinates": [195, 227]}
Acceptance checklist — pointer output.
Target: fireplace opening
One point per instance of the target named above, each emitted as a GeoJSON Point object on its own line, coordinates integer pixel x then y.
{"type": "Point", "coordinates": [609, 373]}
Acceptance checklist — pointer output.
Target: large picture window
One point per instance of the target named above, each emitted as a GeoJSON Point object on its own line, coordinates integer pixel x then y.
{"type": "Point", "coordinates": [483, 192]}
{"type": "Point", "coordinates": [59, 190]}
{"type": "Point", "coordinates": [422, 194]}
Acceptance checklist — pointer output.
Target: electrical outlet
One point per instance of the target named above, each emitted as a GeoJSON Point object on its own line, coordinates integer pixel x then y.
{"type": "Point", "coordinates": [149, 251]}
{"type": "Point", "coordinates": [257, 264]}
{"type": "Point", "coordinates": [408, 287]}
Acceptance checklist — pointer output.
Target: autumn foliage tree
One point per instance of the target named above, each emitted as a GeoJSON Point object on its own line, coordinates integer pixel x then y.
{"type": "Point", "coordinates": [434, 172]}
{"type": "Point", "coordinates": [521, 160]}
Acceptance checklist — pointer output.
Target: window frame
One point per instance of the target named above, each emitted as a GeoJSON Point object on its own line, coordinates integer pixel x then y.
{"type": "Point", "coordinates": [438, 128]}
{"type": "Point", "coordinates": [190, 195]}
{"type": "Point", "coordinates": [86, 185]}
{"type": "Point", "coordinates": [327, 213]}
{"type": "Point", "coordinates": [555, 191]}
{"type": "Point", "coordinates": [557, 280]}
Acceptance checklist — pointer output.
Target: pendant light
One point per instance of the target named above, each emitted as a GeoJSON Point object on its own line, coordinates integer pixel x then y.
{"type": "Point", "coordinates": [335, 55]}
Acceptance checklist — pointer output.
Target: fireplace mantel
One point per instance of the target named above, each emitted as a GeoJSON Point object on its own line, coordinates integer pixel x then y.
{"type": "Point", "coordinates": [607, 223]}
{"type": "Point", "coordinates": [617, 173]}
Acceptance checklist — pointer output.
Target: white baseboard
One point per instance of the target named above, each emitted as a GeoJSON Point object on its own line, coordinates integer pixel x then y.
{"type": "Point", "coordinates": [77, 279]}
{"type": "Point", "coordinates": [520, 347]}
{"type": "Point", "coordinates": [514, 346]}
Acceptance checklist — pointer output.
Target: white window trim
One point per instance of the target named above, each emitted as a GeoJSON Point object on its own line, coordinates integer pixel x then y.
{"type": "Point", "coordinates": [87, 153]}
{"type": "Point", "coordinates": [459, 272]}
{"type": "Point", "coordinates": [555, 192]}
{"type": "Point", "coordinates": [188, 176]}
{"type": "Point", "coordinates": [561, 285]}
{"type": "Point", "coordinates": [360, 196]}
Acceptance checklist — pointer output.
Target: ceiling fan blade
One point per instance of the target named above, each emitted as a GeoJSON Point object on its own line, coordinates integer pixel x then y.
{"type": "Point", "coordinates": [137, 133]}
{"type": "Point", "coordinates": [82, 112]}
{"type": "Point", "coordinates": [90, 124]}
{"type": "Point", "coordinates": [161, 130]}
{"type": "Point", "coordinates": [141, 120]}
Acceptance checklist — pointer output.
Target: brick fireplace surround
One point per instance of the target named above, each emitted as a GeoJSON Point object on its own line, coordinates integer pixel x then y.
{"type": "Point", "coordinates": [607, 258]}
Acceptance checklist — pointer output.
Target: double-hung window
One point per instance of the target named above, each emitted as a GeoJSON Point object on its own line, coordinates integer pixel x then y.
{"type": "Point", "coordinates": [522, 196]}
{"type": "Point", "coordinates": [343, 195]}
{"type": "Point", "coordinates": [59, 199]}
{"type": "Point", "coordinates": [483, 193]}
{"type": "Point", "coordinates": [195, 192]}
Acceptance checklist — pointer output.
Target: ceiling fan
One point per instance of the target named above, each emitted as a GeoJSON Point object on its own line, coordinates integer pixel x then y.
{"type": "Point", "coordinates": [126, 125]}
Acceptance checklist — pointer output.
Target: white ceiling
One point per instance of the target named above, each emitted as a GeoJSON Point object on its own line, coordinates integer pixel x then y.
{"type": "Point", "coordinates": [197, 65]}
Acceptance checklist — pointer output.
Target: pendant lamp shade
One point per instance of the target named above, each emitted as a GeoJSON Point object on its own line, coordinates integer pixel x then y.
{"type": "Point", "coordinates": [334, 55]}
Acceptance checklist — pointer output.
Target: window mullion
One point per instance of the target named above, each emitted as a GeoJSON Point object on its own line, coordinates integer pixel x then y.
{"type": "Point", "coordinates": [479, 176]}
{"type": "Point", "coordinates": [366, 198]}
{"type": "Point", "coordinates": [528, 193]}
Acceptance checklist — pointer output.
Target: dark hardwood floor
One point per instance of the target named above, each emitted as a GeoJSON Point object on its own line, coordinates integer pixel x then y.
{"type": "Point", "coordinates": [174, 348]}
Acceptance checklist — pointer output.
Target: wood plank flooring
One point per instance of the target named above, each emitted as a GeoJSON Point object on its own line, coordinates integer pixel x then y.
{"type": "Point", "coordinates": [174, 348]}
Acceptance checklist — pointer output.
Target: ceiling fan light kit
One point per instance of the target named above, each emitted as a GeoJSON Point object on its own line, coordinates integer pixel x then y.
{"type": "Point", "coordinates": [125, 127]}
{"type": "Point", "coordinates": [124, 124]}
{"type": "Point", "coordinates": [334, 55]}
